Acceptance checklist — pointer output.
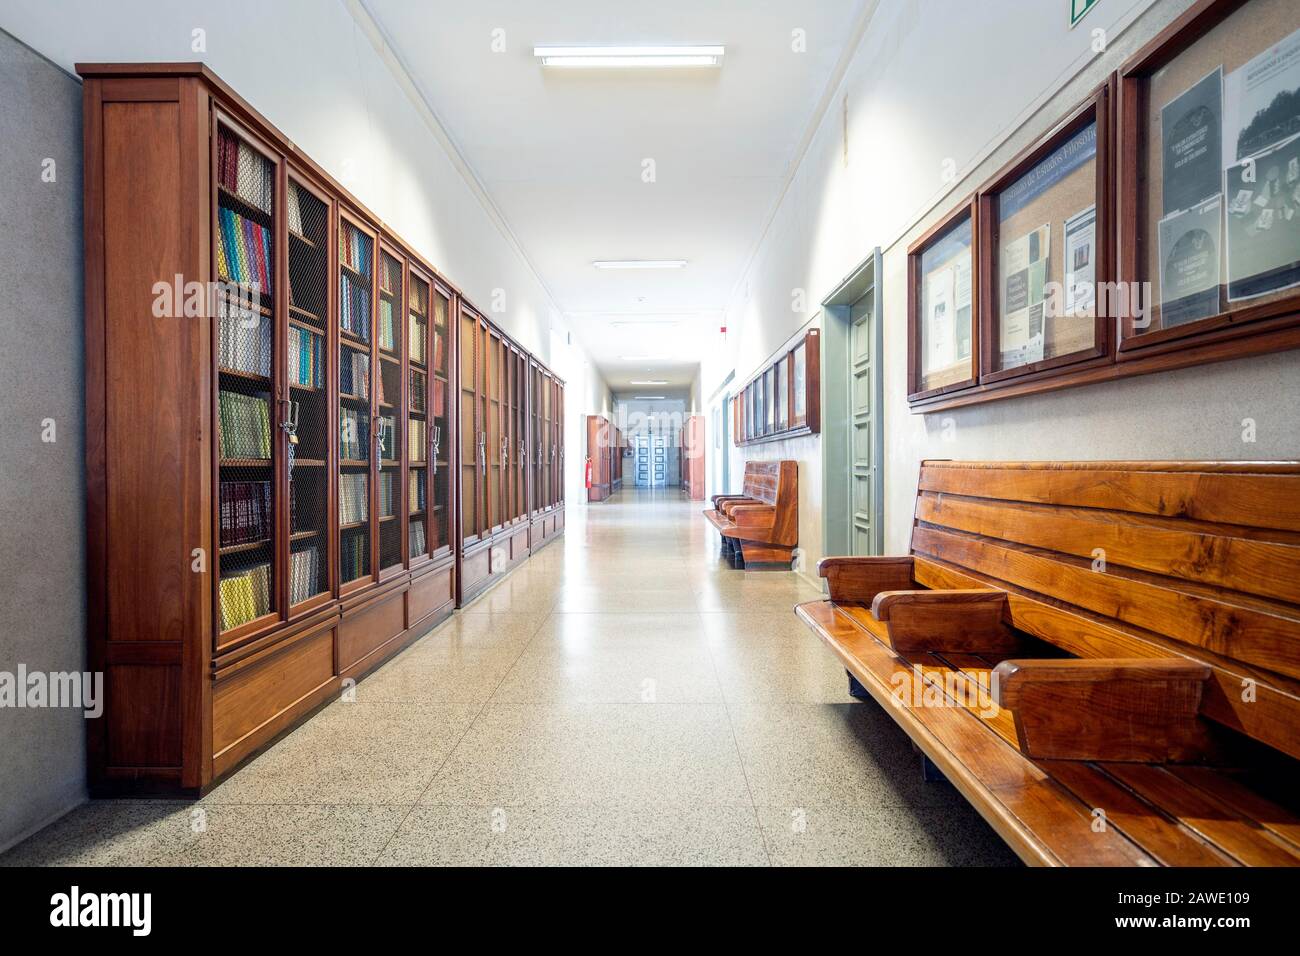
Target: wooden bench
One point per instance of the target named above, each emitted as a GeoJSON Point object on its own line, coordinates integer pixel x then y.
{"type": "Point", "coordinates": [1103, 657]}
{"type": "Point", "coordinates": [760, 526]}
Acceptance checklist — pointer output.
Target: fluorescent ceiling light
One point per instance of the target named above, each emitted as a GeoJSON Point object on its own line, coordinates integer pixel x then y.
{"type": "Point", "coordinates": [652, 381]}
{"type": "Point", "coordinates": [643, 358]}
{"type": "Point", "coordinates": [647, 398]}
{"type": "Point", "coordinates": [643, 325]}
{"type": "Point", "coordinates": [639, 263]}
{"type": "Point", "coordinates": [629, 56]}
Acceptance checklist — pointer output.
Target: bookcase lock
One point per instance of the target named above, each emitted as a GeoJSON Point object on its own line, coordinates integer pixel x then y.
{"type": "Point", "coordinates": [523, 452]}
{"type": "Point", "coordinates": [482, 449]}
{"type": "Point", "coordinates": [505, 450]}
{"type": "Point", "coordinates": [437, 443]}
{"type": "Point", "coordinates": [290, 422]}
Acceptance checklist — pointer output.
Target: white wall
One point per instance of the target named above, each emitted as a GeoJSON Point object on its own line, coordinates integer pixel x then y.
{"type": "Point", "coordinates": [42, 516]}
{"type": "Point", "coordinates": [313, 69]}
{"type": "Point", "coordinates": [971, 84]}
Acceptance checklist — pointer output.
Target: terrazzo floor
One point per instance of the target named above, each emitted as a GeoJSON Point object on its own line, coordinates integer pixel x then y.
{"type": "Point", "coordinates": [623, 698]}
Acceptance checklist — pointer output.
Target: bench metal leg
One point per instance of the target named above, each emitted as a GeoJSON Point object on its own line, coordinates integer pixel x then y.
{"type": "Point", "coordinates": [856, 689]}
{"type": "Point", "coordinates": [930, 771]}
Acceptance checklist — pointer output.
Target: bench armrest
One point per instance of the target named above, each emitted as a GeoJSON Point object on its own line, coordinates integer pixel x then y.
{"type": "Point", "coordinates": [971, 621]}
{"type": "Point", "coordinates": [753, 516]}
{"type": "Point", "coordinates": [1139, 709]}
{"type": "Point", "coordinates": [862, 578]}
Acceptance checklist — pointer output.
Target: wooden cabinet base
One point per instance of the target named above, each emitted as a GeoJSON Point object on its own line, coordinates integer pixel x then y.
{"type": "Point", "coordinates": [484, 564]}
{"type": "Point", "coordinates": [260, 692]}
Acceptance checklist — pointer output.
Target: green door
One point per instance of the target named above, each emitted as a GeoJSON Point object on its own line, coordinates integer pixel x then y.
{"type": "Point", "coordinates": [864, 420]}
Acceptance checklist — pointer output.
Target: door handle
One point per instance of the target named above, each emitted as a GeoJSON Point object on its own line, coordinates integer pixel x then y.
{"type": "Point", "coordinates": [437, 443]}
{"type": "Point", "coordinates": [482, 449]}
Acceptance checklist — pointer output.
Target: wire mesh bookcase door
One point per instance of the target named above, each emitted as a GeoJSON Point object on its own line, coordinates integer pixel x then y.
{"type": "Point", "coordinates": [390, 439]}
{"type": "Point", "coordinates": [306, 411]}
{"type": "Point", "coordinates": [537, 438]}
{"type": "Point", "coordinates": [495, 440]}
{"type": "Point", "coordinates": [356, 442]}
{"type": "Point", "coordinates": [417, 410]}
{"type": "Point", "coordinates": [247, 441]}
{"type": "Point", "coordinates": [440, 425]}
{"type": "Point", "coordinates": [471, 448]}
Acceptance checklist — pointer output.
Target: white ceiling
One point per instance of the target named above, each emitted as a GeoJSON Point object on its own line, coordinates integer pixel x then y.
{"type": "Point", "coordinates": [561, 152]}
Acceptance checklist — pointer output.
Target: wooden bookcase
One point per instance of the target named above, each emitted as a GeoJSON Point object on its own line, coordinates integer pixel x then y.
{"type": "Point", "coordinates": [602, 449]}
{"type": "Point", "coordinates": [509, 403]}
{"type": "Point", "coordinates": [274, 404]}
{"type": "Point", "coordinates": [690, 457]}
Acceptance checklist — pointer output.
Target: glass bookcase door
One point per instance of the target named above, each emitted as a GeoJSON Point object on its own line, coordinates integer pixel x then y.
{"type": "Point", "coordinates": [356, 415]}
{"type": "Point", "coordinates": [440, 425]}
{"type": "Point", "coordinates": [417, 413]}
{"type": "Point", "coordinates": [537, 439]}
{"type": "Point", "coordinates": [391, 336]}
{"type": "Point", "coordinates": [248, 443]}
{"type": "Point", "coordinates": [308, 409]}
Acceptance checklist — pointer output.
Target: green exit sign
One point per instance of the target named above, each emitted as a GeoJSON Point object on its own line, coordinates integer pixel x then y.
{"type": "Point", "coordinates": [1079, 9]}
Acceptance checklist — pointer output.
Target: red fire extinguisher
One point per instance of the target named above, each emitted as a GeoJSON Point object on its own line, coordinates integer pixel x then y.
{"type": "Point", "coordinates": [589, 472]}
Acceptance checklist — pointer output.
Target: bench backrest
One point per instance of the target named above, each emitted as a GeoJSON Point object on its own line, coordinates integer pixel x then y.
{"type": "Point", "coordinates": [1133, 559]}
{"type": "Point", "coordinates": [763, 479]}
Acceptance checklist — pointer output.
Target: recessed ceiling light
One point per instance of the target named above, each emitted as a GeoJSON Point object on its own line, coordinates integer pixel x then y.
{"type": "Point", "coordinates": [629, 56]}
{"type": "Point", "coordinates": [643, 358]}
{"type": "Point", "coordinates": [652, 381]}
{"type": "Point", "coordinates": [639, 263]}
{"type": "Point", "coordinates": [631, 323]}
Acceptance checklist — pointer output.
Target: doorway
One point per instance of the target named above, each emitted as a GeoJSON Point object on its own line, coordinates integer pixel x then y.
{"type": "Point", "coordinates": [650, 465]}
{"type": "Point", "coordinates": [852, 396]}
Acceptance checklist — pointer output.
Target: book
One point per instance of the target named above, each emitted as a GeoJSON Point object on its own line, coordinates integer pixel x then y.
{"type": "Point", "coordinates": [244, 172]}
{"type": "Point", "coordinates": [353, 499]}
{"type": "Point", "coordinates": [244, 251]}
{"type": "Point", "coordinates": [417, 327]}
{"type": "Point", "coordinates": [354, 308]}
{"type": "Point", "coordinates": [417, 440]}
{"type": "Point", "coordinates": [306, 357]}
{"type": "Point", "coordinates": [418, 392]}
{"type": "Point", "coordinates": [387, 494]}
{"type": "Point", "coordinates": [354, 434]}
{"type": "Point", "coordinates": [244, 596]}
{"type": "Point", "coordinates": [304, 574]}
{"type": "Point", "coordinates": [354, 556]}
{"type": "Point", "coordinates": [245, 512]}
{"type": "Point", "coordinates": [354, 373]}
{"type": "Point", "coordinates": [417, 537]}
{"type": "Point", "coordinates": [418, 489]}
{"type": "Point", "coordinates": [243, 339]}
{"type": "Point", "coordinates": [387, 334]}
{"type": "Point", "coordinates": [245, 425]}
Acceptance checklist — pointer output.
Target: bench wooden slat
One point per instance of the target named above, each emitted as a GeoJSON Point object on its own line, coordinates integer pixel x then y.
{"type": "Point", "coordinates": [1231, 625]}
{"type": "Point", "coordinates": [1269, 717]}
{"type": "Point", "coordinates": [1244, 801]}
{"type": "Point", "coordinates": [1266, 568]}
{"type": "Point", "coordinates": [1232, 832]}
{"type": "Point", "coordinates": [1262, 495]}
{"type": "Point", "coordinates": [1185, 639]}
{"type": "Point", "coordinates": [1014, 796]}
{"type": "Point", "coordinates": [1171, 843]}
